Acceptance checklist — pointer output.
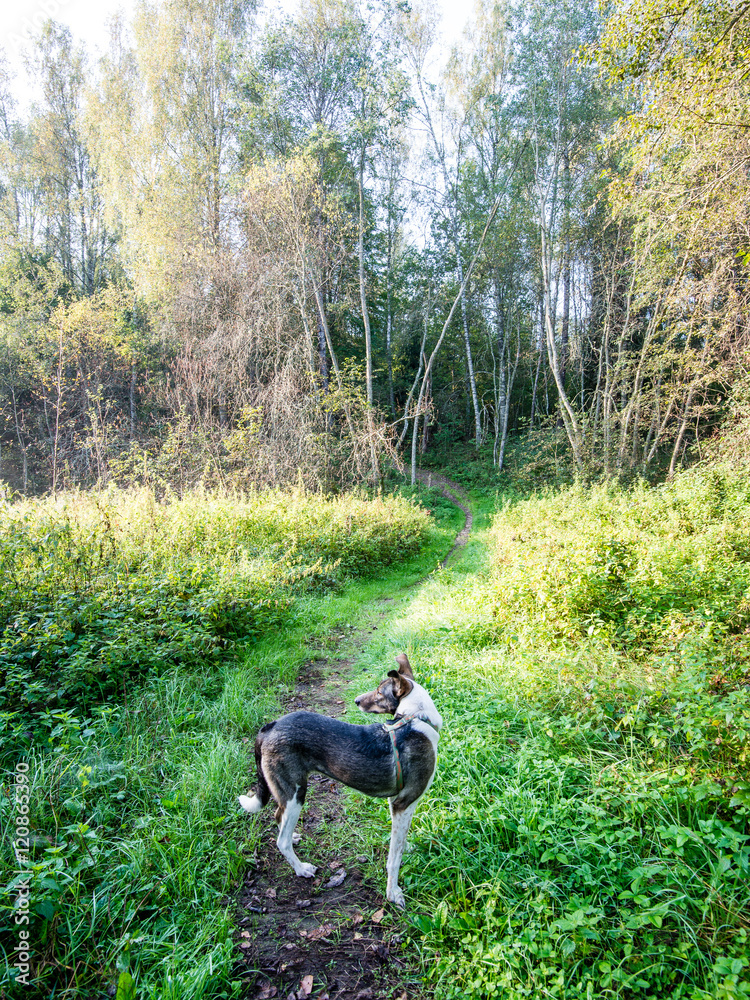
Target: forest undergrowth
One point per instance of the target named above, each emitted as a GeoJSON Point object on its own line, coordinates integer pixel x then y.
{"type": "Point", "coordinates": [587, 832]}
{"type": "Point", "coordinates": [144, 642]}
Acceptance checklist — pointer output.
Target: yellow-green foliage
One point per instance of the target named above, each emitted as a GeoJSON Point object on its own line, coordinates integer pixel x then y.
{"type": "Point", "coordinates": [131, 530]}
{"type": "Point", "coordinates": [100, 588]}
{"type": "Point", "coordinates": [638, 568]}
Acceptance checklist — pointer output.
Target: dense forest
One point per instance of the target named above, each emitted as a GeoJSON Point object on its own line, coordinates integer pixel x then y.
{"type": "Point", "coordinates": [245, 249]}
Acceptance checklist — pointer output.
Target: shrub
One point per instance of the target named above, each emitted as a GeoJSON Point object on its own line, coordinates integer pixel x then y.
{"type": "Point", "coordinates": [638, 568]}
{"type": "Point", "coordinates": [102, 589]}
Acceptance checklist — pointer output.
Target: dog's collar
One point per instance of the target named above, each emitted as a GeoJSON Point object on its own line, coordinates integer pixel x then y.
{"type": "Point", "coordinates": [390, 728]}
{"type": "Point", "coordinates": [401, 720]}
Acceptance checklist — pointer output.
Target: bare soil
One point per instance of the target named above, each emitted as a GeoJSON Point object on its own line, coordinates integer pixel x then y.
{"type": "Point", "coordinates": [332, 937]}
{"type": "Point", "coordinates": [457, 496]}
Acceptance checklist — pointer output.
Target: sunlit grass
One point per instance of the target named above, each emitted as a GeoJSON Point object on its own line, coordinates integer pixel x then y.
{"type": "Point", "coordinates": [139, 841]}
{"type": "Point", "coordinates": [587, 832]}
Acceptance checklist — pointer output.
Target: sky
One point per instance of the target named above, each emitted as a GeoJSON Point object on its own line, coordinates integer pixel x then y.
{"type": "Point", "coordinates": [88, 19]}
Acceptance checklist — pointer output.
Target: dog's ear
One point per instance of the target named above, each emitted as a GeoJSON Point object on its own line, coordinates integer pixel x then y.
{"type": "Point", "coordinates": [401, 685]}
{"type": "Point", "coordinates": [404, 667]}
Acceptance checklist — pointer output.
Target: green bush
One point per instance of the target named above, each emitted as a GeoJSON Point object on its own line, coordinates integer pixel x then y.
{"type": "Point", "coordinates": [588, 831]}
{"type": "Point", "coordinates": [639, 568]}
{"type": "Point", "coordinates": [98, 590]}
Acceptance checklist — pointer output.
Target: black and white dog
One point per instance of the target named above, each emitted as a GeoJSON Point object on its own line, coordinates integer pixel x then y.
{"type": "Point", "coordinates": [393, 760]}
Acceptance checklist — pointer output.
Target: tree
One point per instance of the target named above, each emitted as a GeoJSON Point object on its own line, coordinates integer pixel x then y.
{"type": "Point", "coordinates": [680, 195]}
{"type": "Point", "coordinates": [480, 76]}
{"type": "Point", "coordinates": [445, 129]}
{"type": "Point", "coordinates": [74, 229]}
{"type": "Point", "coordinates": [558, 101]}
{"type": "Point", "coordinates": [164, 135]}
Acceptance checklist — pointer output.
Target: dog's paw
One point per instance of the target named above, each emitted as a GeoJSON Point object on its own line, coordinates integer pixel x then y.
{"type": "Point", "coordinates": [304, 870]}
{"type": "Point", "coordinates": [396, 896]}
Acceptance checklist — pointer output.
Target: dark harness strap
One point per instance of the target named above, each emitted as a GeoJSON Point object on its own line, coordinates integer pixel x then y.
{"type": "Point", "coordinates": [396, 757]}
{"type": "Point", "coordinates": [390, 728]}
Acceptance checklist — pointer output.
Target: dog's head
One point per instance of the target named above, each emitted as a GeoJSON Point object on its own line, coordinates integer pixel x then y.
{"type": "Point", "coordinates": [384, 700]}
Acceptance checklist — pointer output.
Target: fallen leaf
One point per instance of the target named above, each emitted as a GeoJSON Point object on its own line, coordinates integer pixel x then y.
{"type": "Point", "coordinates": [377, 916]}
{"type": "Point", "coordinates": [358, 936]}
{"type": "Point", "coordinates": [245, 944]}
{"type": "Point", "coordinates": [266, 992]}
{"type": "Point", "coordinates": [271, 893]}
{"type": "Point", "coordinates": [245, 934]}
{"type": "Point", "coordinates": [302, 904]}
{"type": "Point", "coordinates": [334, 865]}
{"type": "Point", "coordinates": [320, 932]}
{"type": "Point", "coordinates": [357, 918]}
{"type": "Point", "coordinates": [289, 946]}
{"type": "Point", "coordinates": [336, 879]}
{"type": "Point", "coordinates": [305, 987]}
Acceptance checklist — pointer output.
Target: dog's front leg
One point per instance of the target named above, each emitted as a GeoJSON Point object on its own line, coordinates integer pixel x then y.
{"type": "Point", "coordinates": [285, 838]}
{"type": "Point", "coordinates": [400, 823]}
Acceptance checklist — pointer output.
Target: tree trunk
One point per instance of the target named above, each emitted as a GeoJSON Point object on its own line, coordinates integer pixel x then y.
{"type": "Point", "coordinates": [467, 342]}
{"type": "Point", "coordinates": [366, 318]}
{"type": "Point", "coordinates": [509, 388]}
{"type": "Point", "coordinates": [389, 320]}
{"type": "Point", "coordinates": [565, 324]}
{"type": "Point", "coordinates": [133, 411]}
{"type": "Point", "coordinates": [571, 422]}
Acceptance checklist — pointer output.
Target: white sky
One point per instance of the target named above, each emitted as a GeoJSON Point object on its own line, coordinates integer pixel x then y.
{"type": "Point", "coordinates": [87, 20]}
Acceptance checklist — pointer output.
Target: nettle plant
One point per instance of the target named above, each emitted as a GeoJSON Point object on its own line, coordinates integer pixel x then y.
{"type": "Point", "coordinates": [103, 590]}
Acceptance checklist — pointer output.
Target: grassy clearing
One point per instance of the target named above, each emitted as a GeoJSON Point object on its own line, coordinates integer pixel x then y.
{"type": "Point", "coordinates": [144, 644]}
{"type": "Point", "coordinates": [587, 833]}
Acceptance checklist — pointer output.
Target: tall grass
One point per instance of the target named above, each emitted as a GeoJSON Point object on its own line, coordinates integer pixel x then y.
{"type": "Point", "coordinates": [143, 644]}
{"type": "Point", "coordinates": [587, 834]}
{"type": "Point", "coordinates": [100, 590]}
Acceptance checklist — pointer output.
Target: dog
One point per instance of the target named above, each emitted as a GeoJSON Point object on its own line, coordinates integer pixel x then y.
{"type": "Point", "coordinates": [394, 760]}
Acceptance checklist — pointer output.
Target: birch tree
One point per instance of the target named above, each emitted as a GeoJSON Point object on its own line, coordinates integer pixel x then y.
{"type": "Point", "coordinates": [164, 135]}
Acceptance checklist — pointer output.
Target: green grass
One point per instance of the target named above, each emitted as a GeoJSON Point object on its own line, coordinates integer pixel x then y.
{"type": "Point", "coordinates": [98, 591]}
{"type": "Point", "coordinates": [587, 833]}
{"type": "Point", "coordinates": [138, 841]}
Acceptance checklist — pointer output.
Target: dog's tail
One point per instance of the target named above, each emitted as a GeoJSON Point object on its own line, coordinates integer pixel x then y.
{"type": "Point", "coordinates": [262, 791]}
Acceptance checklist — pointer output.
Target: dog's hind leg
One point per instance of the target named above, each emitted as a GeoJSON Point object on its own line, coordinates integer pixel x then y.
{"type": "Point", "coordinates": [262, 792]}
{"type": "Point", "coordinates": [400, 823]}
{"type": "Point", "coordinates": [285, 839]}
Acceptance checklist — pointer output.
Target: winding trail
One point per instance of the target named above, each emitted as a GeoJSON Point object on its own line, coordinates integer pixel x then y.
{"type": "Point", "coordinates": [332, 937]}
{"type": "Point", "coordinates": [453, 492]}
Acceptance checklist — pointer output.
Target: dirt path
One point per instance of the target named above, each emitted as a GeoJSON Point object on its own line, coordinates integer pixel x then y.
{"type": "Point", "coordinates": [456, 495]}
{"type": "Point", "coordinates": [329, 937]}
